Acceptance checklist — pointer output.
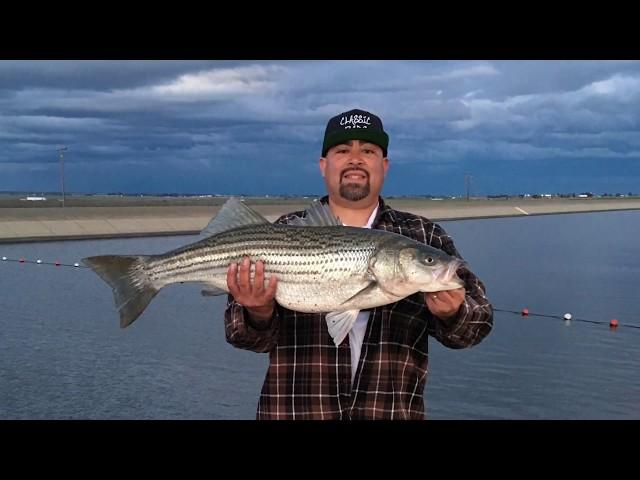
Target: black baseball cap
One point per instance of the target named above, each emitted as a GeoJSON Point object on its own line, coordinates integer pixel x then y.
{"type": "Point", "coordinates": [355, 125]}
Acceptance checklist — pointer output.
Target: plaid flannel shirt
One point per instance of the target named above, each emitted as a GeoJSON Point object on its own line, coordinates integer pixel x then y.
{"type": "Point", "coordinates": [310, 378]}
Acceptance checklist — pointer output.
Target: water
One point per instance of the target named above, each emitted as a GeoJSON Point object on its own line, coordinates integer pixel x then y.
{"type": "Point", "coordinates": [63, 355]}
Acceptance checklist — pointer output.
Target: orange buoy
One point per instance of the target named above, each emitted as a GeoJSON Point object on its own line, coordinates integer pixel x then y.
{"type": "Point", "coordinates": [21, 260]}
{"type": "Point", "coordinates": [613, 323]}
{"type": "Point", "coordinates": [525, 312]}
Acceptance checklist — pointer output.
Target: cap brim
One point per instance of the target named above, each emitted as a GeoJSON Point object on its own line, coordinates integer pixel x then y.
{"type": "Point", "coordinates": [374, 136]}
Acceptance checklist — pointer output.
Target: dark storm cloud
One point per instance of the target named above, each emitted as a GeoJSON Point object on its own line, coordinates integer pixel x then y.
{"type": "Point", "coordinates": [206, 123]}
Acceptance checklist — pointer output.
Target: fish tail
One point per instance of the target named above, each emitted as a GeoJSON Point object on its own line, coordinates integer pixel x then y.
{"type": "Point", "coordinates": [133, 290]}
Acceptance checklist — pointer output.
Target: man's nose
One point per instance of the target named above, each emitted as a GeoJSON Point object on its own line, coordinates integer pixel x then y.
{"type": "Point", "coordinates": [355, 157]}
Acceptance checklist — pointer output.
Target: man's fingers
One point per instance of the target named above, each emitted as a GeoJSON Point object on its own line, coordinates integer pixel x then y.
{"type": "Point", "coordinates": [232, 279]}
{"type": "Point", "coordinates": [245, 274]}
{"type": "Point", "coordinates": [432, 301]}
{"type": "Point", "coordinates": [433, 296]}
{"type": "Point", "coordinates": [443, 297]}
{"type": "Point", "coordinates": [247, 291]}
{"type": "Point", "coordinates": [270, 292]}
{"type": "Point", "coordinates": [459, 291]}
{"type": "Point", "coordinates": [447, 296]}
{"type": "Point", "coordinates": [258, 281]}
{"type": "Point", "coordinates": [446, 303]}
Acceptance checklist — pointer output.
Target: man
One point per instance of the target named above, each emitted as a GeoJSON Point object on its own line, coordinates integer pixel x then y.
{"type": "Point", "coordinates": [379, 371]}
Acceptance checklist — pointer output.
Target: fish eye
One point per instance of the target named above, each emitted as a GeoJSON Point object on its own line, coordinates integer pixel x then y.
{"type": "Point", "coordinates": [429, 260]}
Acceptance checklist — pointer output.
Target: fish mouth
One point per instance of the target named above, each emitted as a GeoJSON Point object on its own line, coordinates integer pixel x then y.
{"type": "Point", "coordinates": [449, 277]}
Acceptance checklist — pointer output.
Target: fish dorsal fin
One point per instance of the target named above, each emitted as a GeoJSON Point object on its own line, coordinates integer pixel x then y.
{"type": "Point", "coordinates": [317, 215]}
{"type": "Point", "coordinates": [233, 214]}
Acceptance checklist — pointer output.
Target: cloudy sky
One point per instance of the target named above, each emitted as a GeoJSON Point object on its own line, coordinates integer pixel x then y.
{"type": "Point", "coordinates": [256, 127]}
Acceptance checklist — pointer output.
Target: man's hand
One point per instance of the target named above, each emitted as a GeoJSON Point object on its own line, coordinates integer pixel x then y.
{"type": "Point", "coordinates": [445, 304]}
{"type": "Point", "coordinates": [252, 294]}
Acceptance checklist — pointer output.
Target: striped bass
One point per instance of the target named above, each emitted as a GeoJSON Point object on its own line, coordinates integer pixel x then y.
{"type": "Point", "coordinates": [321, 265]}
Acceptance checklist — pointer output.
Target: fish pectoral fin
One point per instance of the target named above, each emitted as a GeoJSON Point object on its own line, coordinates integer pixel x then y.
{"type": "Point", "coordinates": [340, 324]}
{"type": "Point", "coordinates": [366, 290]}
{"type": "Point", "coordinates": [212, 291]}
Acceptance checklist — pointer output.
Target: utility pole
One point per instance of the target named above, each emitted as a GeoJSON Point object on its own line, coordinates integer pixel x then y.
{"type": "Point", "coordinates": [61, 150]}
{"type": "Point", "coordinates": [467, 182]}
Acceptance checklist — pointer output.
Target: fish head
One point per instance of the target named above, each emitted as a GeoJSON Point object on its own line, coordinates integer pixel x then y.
{"type": "Point", "coordinates": [404, 267]}
{"type": "Point", "coordinates": [427, 269]}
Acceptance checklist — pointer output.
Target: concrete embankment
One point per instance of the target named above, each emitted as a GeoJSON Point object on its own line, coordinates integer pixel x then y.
{"type": "Point", "coordinates": [42, 224]}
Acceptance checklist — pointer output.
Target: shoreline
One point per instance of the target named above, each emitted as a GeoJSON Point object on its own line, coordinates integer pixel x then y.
{"type": "Point", "coordinates": [128, 220]}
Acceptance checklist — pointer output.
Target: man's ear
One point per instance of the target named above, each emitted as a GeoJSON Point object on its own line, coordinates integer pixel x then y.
{"type": "Point", "coordinates": [322, 163]}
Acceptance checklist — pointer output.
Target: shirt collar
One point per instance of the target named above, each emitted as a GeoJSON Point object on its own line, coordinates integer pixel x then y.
{"type": "Point", "coordinates": [382, 210]}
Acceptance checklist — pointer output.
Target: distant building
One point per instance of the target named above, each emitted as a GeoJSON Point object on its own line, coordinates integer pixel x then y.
{"type": "Point", "coordinates": [35, 199]}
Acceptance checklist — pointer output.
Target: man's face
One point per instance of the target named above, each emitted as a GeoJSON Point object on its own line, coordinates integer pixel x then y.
{"type": "Point", "coordinates": [354, 170]}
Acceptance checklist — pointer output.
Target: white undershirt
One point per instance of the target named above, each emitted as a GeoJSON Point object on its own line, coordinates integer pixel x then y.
{"type": "Point", "coordinates": [356, 335]}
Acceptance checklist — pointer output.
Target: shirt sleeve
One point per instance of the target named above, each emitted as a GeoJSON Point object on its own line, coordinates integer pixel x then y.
{"type": "Point", "coordinates": [241, 332]}
{"type": "Point", "coordinates": [474, 319]}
